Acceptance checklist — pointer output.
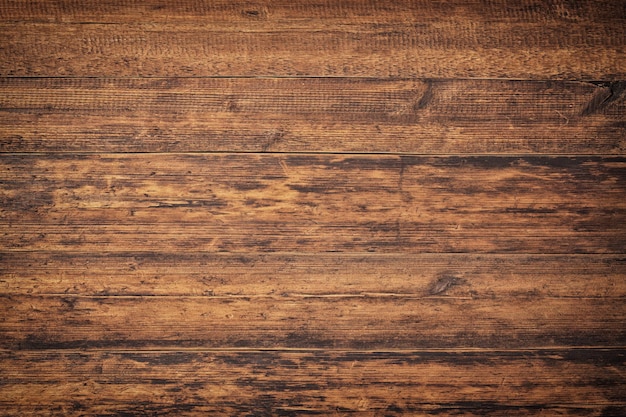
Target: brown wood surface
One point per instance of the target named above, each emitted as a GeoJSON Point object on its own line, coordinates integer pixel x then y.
{"type": "Point", "coordinates": [320, 274]}
{"type": "Point", "coordinates": [550, 382]}
{"type": "Point", "coordinates": [285, 208]}
{"type": "Point", "coordinates": [317, 13]}
{"type": "Point", "coordinates": [501, 39]}
{"type": "Point", "coordinates": [367, 322]}
{"type": "Point", "coordinates": [311, 115]}
{"type": "Point", "coordinates": [314, 203]}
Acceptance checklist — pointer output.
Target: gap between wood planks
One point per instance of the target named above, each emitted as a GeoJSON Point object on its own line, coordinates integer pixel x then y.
{"type": "Point", "coordinates": [291, 296]}
{"type": "Point", "coordinates": [315, 153]}
{"type": "Point", "coordinates": [494, 351]}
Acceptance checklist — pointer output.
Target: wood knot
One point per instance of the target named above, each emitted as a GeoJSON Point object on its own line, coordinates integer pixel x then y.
{"type": "Point", "coordinates": [444, 283]}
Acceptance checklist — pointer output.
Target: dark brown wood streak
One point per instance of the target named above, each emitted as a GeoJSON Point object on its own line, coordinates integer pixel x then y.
{"type": "Point", "coordinates": [286, 208]}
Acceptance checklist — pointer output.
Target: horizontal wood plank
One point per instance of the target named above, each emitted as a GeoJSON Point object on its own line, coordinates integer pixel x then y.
{"type": "Point", "coordinates": [556, 40]}
{"type": "Point", "coordinates": [585, 382]}
{"type": "Point", "coordinates": [330, 274]}
{"type": "Point", "coordinates": [312, 203]}
{"type": "Point", "coordinates": [61, 322]}
{"type": "Point", "coordinates": [310, 13]}
{"type": "Point", "coordinates": [311, 115]}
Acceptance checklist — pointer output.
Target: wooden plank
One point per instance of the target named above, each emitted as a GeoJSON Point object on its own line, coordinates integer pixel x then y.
{"type": "Point", "coordinates": [249, 275]}
{"type": "Point", "coordinates": [412, 39]}
{"type": "Point", "coordinates": [313, 13]}
{"type": "Point", "coordinates": [312, 203]}
{"type": "Point", "coordinates": [564, 382]}
{"type": "Point", "coordinates": [311, 115]}
{"type": "Point", "coordinates": [478, 410]}
{"type": "Point", "coordinates": [366, 322]}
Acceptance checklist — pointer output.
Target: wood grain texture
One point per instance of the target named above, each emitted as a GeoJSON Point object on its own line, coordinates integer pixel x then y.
{"type": "Point", "coordinates": [302, 275]}
{"type": "Point", "coordinates": [348, 208]}
{"type": "Point", "coordinates": [363, 323]}
{"type": "Point", "coordinates": [502, 39]}
{"type": "Point", "coordinates": [313, 203]}
{"type": "Point", "coordinates": [311, 115]}
{"type": "Point", "coordinates": [494, 383]}
{"type": "Point", "coordinates": [317, 13]}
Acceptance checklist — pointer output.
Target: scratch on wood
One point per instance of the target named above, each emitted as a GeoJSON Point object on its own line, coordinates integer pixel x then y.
{"type": "Point", "coordinates": [283, 165]}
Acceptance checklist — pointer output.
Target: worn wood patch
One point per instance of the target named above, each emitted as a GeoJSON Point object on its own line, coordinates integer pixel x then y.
{"type": "Point", "coordinates": [495, 383]}
{"type": "Point", "coordinates": [311, 115]}
{"type": "Point", "coordinates": [313, 203]}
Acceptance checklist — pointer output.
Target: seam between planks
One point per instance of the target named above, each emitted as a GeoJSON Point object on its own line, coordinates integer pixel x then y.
{"type": "Point", "coordinates": [306, 77]}
{"type": "Point", "coordinates": [330, 153]}
{"type": "Point", "coordinates": [546, 349]}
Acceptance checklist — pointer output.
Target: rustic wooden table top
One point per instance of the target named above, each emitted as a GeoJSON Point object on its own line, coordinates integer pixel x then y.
{"type": "Point", "coordinates": [281, 207]}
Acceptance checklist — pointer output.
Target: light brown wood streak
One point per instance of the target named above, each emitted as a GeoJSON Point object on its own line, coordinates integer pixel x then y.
{"type": "Point", "coordinates": [300, 274]}
{"type": "Point", "coordinates": [490, 383]}
{"type": "Point", "coordinates": [313, 203]}
{"type": "Point", "coordinates": [310, 114]}
{"type": "Point", "coordinates": [40, 322]}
